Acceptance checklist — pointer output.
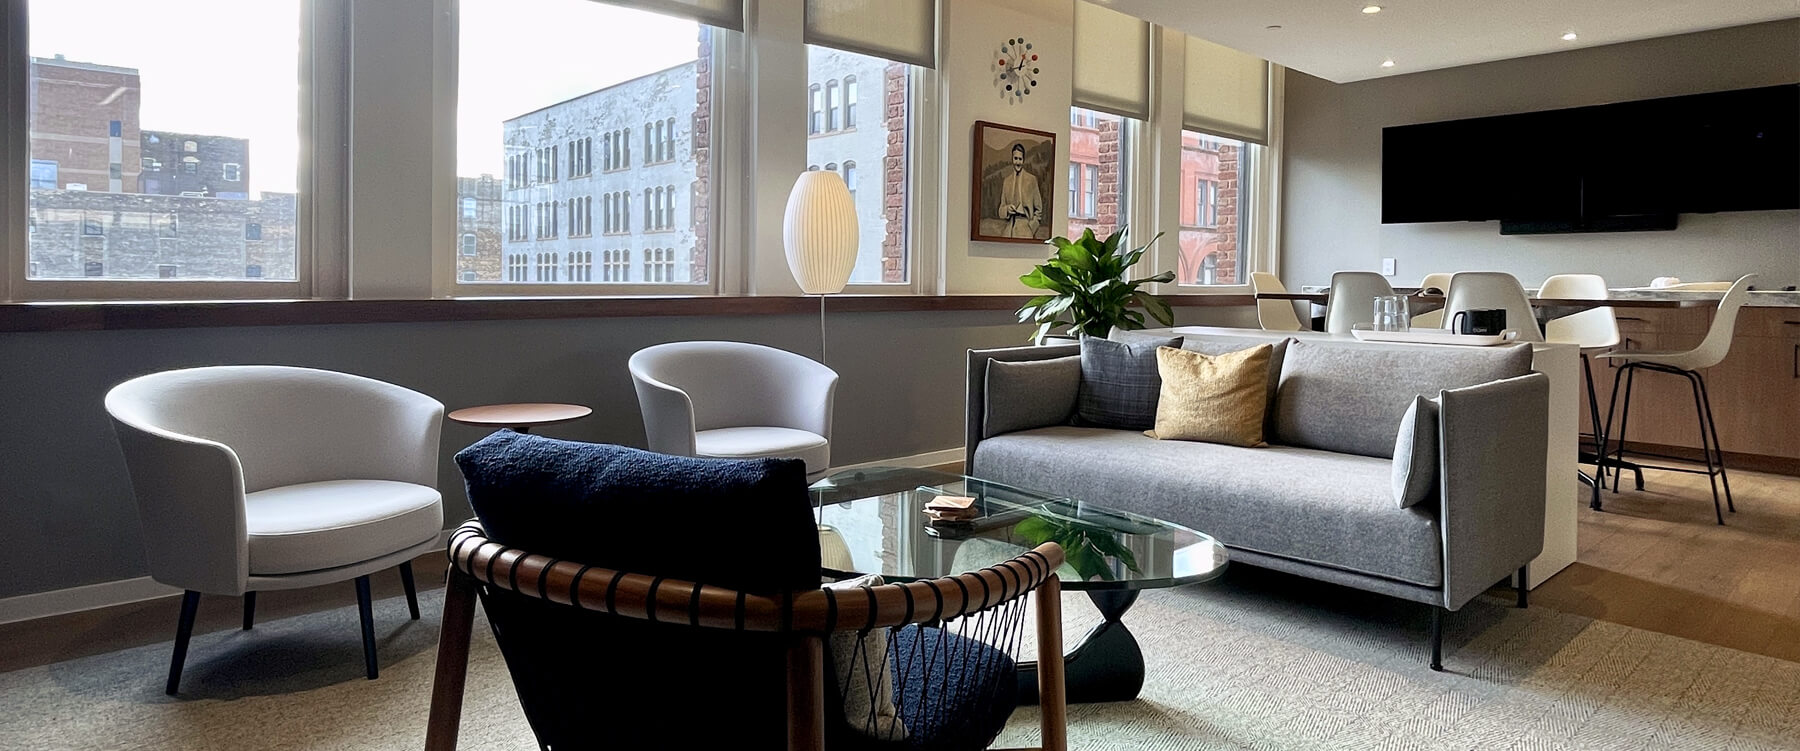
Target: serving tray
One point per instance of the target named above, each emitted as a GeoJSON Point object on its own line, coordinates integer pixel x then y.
{"type": "Point", "coordinates": [1434, 336]}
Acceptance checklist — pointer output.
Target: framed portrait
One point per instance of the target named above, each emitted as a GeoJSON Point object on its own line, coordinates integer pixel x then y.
{"type": "Point", "coordinates": [1011, 201]}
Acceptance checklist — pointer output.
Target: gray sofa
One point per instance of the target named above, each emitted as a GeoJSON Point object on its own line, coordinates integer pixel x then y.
{"type": "Point", "coordinates": [1319, 501]}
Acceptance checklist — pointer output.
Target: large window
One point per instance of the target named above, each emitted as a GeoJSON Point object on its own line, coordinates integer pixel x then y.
{"type": "Point", "coordinates": [880, 141]}
{"type": "Point", "coordinates": [644, 90]}
{"type": "Point", "coordinates": [1098, 147]}
{"type": "Point", "coordinates": [1216, 177]}
{"type": "Point", "coordinates": [111, 98]}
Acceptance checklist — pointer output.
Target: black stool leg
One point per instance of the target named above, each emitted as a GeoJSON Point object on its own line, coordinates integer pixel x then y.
{"type": "Point", "coordinates": [412, 592]}
{"type": "Point", "coordinates": [1612, 408]}
{"type": "Point", "coordinates": [1724, 479]}
{"type": "Point", "coordinates": [1524, 586]}
{"type": "Point", "coordinates": [1624, 420]}
{"type": "Point", "coordinates": [368, 625]}
{"type": "Point", "coordinates": [184, 628]}
{"type": "Point", "coordinates": [1706, 454]}
{"type": "Point", "coordinates": [249, 610]}
{"type": "Point", "coordinates": [1437, 638]}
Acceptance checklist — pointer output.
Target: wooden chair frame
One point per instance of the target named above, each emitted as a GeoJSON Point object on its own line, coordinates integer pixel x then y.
{"type": "Point", "coordinates": [807, 617]}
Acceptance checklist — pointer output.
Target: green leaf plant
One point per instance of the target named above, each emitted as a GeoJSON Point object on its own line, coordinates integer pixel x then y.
{"type": "Point", "coordinates": [1088, 291]}
{"type": "Point", "coordinates": [1085, 547]}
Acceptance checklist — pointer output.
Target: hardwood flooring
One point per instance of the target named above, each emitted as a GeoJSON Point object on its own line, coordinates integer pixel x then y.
{"type": "Point", "coordinates": [1653, 560]}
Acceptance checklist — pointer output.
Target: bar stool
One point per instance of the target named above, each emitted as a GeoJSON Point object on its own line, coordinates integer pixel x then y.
{"type": "Point", "coordinates": [1478, 290]}
{"type": "Point", "coordinates": [1686, 364]}
{"type": "Point", "coordinates": [1432, 319]}
{"type": "Point", "coordinates": [1593, 330]}
{"type": "Point", "coordinates": [1273, 315]}
{"type": "Point", "coordinates": [1352, 299]}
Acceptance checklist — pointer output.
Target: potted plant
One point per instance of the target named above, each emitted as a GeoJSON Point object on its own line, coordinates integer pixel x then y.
{"type": "Point", "coordinates": [1089, 293]}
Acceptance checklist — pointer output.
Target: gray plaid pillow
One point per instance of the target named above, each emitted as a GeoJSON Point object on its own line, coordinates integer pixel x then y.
{"type": "Point", "coordinates": [1120, 383]}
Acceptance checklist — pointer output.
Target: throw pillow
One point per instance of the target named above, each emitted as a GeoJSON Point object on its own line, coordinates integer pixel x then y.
{"type": "Point", "coordinates": [1213, 398]}
{"type": "Point", "coordinates": [1119, 382]}
{"type": "Point", "coordinates": [1416, 453]}
{"type": "Point", "coordinates": [865, 676]}
{"type": "Point", "coordinates": [1032, 394]}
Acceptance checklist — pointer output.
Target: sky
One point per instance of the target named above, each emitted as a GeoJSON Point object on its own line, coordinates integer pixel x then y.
{"type": "Point", "coordinates": [227, 67]}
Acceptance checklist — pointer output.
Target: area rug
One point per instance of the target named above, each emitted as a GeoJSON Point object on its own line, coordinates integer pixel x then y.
{"type": "Point", "coordinates": [1254, 661]}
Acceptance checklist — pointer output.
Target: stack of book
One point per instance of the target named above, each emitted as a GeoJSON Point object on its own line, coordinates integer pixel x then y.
{"type": "Point", "coordinates": [951, 509]}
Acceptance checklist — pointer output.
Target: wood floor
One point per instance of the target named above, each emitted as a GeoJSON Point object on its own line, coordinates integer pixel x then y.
{"type": "Point", "coordinates": [1653, 559]}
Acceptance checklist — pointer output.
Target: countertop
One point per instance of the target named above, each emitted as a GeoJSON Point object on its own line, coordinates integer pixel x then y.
{"type": "Point", "coordinates": [1758, 298]}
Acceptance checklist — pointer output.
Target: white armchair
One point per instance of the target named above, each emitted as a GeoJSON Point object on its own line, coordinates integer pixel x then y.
{"type": "Point", "coordinates": [259, 477]}
{"type": "Point", "coordinates": [735, 400]}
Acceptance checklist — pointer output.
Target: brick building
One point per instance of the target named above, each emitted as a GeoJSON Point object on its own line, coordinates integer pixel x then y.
{"type": "Point", "coordinates": [1209, 211]}
{"type": "Point", "coordinates": [84, 125]}
{"type": "Point", "coordinates": [478, 241]}
{"type": "Point", "coordinates": [192, 164]}
{"type": "Point", "coordinates": [1096, 174]}
{"type": "Point", "coordinates": [80, 233]}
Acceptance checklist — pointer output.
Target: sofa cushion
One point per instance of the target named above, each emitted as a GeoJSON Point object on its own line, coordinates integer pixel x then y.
{"type": "Point", "coordinates": [1416, 453]}
{"type": "Point", "coordinates": [1119, 382]}
{"type": "Point", "coordinates": [1217, 344]}
{"type": "Point", "coordinates": [320, 525]}
{"type": "Point", "coordinates": [1347, 397]}
{"type": "Point", "coordinates": [765, 442]}
{"type": "Point", "coordinates": [1215, 398]}
{"type": "Point", "coordinates": [1304, 504]}
{"type": "Point", "coordinates": [1030, 394]}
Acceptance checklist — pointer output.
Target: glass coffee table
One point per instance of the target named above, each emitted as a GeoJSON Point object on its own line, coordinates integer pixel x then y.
{"type": "Point", "coordinates": [873, 521]}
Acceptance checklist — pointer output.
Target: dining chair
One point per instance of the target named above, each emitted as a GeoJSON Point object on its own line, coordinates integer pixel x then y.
{"type": "Point", "coordinates": [1432, 319]}
{"type": "Point", "coordinates": [1481, 290]}
{"type": "Point", "coordinates": [735, 400]}
{"type": "Point", "coordinates": [259, 477]}
{"type": "Point", "coordinates": [1593, 331]}
{"type": "Point", "coordinates": [1687, 364]}
{"type": "Point", "coordinates": [1352, 299]}
{"type": "Point", "coordinates": [618, 585]}
{"type": "Point", "coordinates": [1273, 315]}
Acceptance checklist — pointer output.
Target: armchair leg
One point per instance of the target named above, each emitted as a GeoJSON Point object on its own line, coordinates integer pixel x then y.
{"type": "Point", "coordinates": [249, 610]}
{"type": "Point", "coordinates": [1052, 701]}
{"type": "Point", "coordinates": [412, 592]}
{"type": "Point", "coordinates": [1437, 638]}
{"type": "Point", "coordinates": [1524, 586]}
{"type": "Point", "coordinates": [452, 663]}
{"type": "Point", "coordinates": [368, 625]}
{"type": "Point", "coordinates": [184, 628]}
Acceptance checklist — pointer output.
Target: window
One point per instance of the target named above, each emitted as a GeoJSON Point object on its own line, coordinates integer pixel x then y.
{"type": "Point", "coordinates": [190, 165]}
{"type": "Point", "coordinates": [1099, 147]}
{"type": "Point", "coordinates": [466, 245]}
{"type": "Point", "coordinates": [615, 266]}
{"type": "Point", "coordinates": [467, 275]}
{"type": "Point", "coordinates": [92, 227]}
{"type": "Point", "coordinates": [468, 206]}
{"type": "Point", "coordinates": [669, 134]}
{"type": "Point", "coordinates": [233, 172]}
{"type": "Point", "coordinates": [841, 143]}
{"type": "Point", "coordinates": [659, 212]}
{"type": "Point", "coordinates": [659, 265]}
{"type": "Point", "coordinates": [166, 270]}
{"type": "Point", "coordinates": [43, 174]}
{"type": "Point", "coordinates": [253, 271]}
{"type": "Point", "coordinates": [252, 231]}
{"type": "Point", "coordinates": [1215, 172]}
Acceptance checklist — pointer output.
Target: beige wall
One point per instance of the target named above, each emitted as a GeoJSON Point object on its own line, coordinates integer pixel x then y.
{"type": "Point", "coordinates": [1332, 214]}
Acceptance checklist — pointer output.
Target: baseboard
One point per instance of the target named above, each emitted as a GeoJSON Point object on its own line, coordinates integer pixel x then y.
{"type": "Point", "coordinates": [127, 591]}
{"type": "Point", "coordinates": [95, 596]}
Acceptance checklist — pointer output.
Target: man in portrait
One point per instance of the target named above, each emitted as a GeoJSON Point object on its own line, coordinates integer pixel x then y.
{"type": "Point", "coordinates": [1021, 203]}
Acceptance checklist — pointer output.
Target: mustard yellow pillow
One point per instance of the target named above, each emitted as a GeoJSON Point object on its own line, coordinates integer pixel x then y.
{"type": "Point", "coordinates": [1213, 398]}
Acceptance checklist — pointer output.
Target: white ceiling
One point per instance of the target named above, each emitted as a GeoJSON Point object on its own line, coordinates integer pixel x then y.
{"type": "Point", "coordinates": [1335, 40]}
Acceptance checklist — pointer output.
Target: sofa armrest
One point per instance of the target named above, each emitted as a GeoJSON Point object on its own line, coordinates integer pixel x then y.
{"type": "Point", "coordinates": [975, 402]}
{"type": "Point", "coordinates": [1493, 444]}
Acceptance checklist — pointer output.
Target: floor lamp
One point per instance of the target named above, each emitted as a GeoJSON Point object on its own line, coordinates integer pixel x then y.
{"type": "Point", "coordinates": [820, 235]}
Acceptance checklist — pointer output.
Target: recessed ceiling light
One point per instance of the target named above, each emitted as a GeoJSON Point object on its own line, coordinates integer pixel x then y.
{"type": "Point", "coordinates": [1388, 63]}
{"type": "Point", "coordinates": [1569, 36]}
{"type": "Point", "coordinates": [1371, 9]}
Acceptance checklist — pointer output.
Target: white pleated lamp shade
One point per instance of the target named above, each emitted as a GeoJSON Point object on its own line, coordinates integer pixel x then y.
{"type": "Point", "coordinates": [819, 232]}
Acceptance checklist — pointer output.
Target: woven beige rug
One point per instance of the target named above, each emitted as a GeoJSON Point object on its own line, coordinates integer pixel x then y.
{"type": "Point", "coordinates": [1254, 661]}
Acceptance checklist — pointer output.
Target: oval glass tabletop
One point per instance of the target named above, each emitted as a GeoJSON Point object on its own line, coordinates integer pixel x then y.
{"type": "Point", "coordinates": [873, 521]}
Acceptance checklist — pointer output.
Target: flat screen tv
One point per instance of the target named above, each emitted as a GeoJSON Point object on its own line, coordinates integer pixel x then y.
{"type": "Point", "coordinates": [1614, 167]}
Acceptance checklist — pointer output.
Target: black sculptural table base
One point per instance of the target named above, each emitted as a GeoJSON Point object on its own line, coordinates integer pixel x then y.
{"type": "Point", "coordinates": [1106, 665]}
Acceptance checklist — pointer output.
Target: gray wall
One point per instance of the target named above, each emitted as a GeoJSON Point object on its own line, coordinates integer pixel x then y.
{"type": "Point", "coordinates": [66, 503]}
{"type": "Point", "coordinates": [1332, 202]}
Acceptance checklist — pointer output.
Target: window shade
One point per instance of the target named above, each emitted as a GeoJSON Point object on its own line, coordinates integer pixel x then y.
{"type": "Point", "coordinates": [1112, 61]}
{"type": "Point", "coordinates": [902, 30]}
{"type": "Point", "coordinates": [1227, 92]}
{"type": "Point", "coordinates": [724, 13]}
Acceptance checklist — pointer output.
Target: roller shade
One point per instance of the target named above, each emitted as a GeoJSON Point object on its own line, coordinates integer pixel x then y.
{"type": "Point", "coordinates": [1112, 61]}
{"type": "Point", "coordinates": [723, 13]}
{"type": "Point", "coordinates": [1227, 92]}
{"type": "Point", "coordinates": [902, 30]}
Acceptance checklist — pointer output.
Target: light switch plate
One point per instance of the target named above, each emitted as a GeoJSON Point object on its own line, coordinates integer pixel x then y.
{"type": "Point", "coordinates": [1387, 267]}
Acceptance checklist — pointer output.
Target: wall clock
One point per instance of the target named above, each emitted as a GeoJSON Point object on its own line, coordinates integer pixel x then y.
{"type": "Point", "coordinates": [1017, 70]}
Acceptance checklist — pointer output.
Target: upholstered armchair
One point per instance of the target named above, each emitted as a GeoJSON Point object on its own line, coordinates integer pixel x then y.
{"type": "Point", "coordinates": [734, 400]}
{"type": "Point", "coordinates": [259, 477]}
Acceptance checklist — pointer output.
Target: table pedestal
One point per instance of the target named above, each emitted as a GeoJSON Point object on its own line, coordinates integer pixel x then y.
{"type": "Point", "coordinates": [1106, 665]}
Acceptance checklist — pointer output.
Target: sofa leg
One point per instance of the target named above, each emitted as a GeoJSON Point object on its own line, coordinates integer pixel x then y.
{"type": "Point", "coordinates": [1524, 586]}
{"type": "Point", "coordinates": [1437, 638]}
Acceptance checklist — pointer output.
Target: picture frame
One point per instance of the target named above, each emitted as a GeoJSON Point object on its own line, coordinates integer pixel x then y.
{"type": "Point", "coordinates": [1013, 192]}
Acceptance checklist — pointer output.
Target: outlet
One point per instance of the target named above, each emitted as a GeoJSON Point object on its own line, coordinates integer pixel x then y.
{"type": "Point", "coordinates": [1387, 267]}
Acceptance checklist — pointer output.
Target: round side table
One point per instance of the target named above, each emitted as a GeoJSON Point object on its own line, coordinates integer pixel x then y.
{"type": "Point", "coordinates": [519, 417]}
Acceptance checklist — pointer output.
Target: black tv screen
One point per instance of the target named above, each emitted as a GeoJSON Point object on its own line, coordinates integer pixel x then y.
{"type": "Point", "coordinates": [1616, 166]}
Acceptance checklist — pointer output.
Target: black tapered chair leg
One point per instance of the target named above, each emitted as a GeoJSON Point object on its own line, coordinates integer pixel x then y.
{"type": "Point", "coordinates": [1524, 586]}
{"type": "Point", "coordinates": [364, 606]}
{"type": "Point", "coordinates": [1612, 407]}
{"type": "Point", "coordinates": [1706, 454]}
{"type": "Point", "coordinates": [1724, 479]}
{"type": "Point", "coordinates": [1437, 638]}
{"type": "Point", "coordinates": [184, 629]}
{"type": "Point", "coordinates": [249, 610]}
{"type": "Point", "coordinates": [412, 591]}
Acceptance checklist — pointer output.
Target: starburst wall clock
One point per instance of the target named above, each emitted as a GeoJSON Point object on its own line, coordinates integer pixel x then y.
{"type": "Point", "coordinates": [1016, 69]}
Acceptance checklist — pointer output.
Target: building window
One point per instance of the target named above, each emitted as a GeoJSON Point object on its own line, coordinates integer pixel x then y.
{"type": "Point", "coordinates": [233, 172]}
{"type": "Point", "coordinates": [1089, 208]}
{"type": "Point", "coordinates": [190, 165]}
{"type": "Point", "coordinates": [253, 271]}
{"type": "Point", "coordinates": [93, 269]}
{"type": "Point", "coordinates": [43, 174]}
{"type": "Point", "coordinates": [882, 254]}
{"type": "Point", "coordinates": [166, 271]}
{"type": "Point", "coordinates": [467, 244]}
{"type": "Point", "coordinates": [253, 231]}
{"type": "Point", "coordinates": [669, 136]}
{"type": "Point", "coordinates": [1074, 189]}
{"type": "Point", "coordinates": [1215, 173]}
{"type": "Point", "coordinates": [468, 206]}
{"type": "Point", "coordinates": [467, 275]}
{"type": "Point", "coordinates": [659, 212]}
{"type": "Point", "coordinates": [659, 265]}
{"type": "Point", "coordinates": [92, 227]}
{"type": "Point", "coordinates": [151, 165]}
{"type": "Point", "coordinates": [1100, 145]}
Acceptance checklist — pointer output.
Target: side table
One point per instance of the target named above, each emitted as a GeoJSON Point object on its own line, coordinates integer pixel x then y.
{"type": "Point", "coordinates": [520, 417]}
